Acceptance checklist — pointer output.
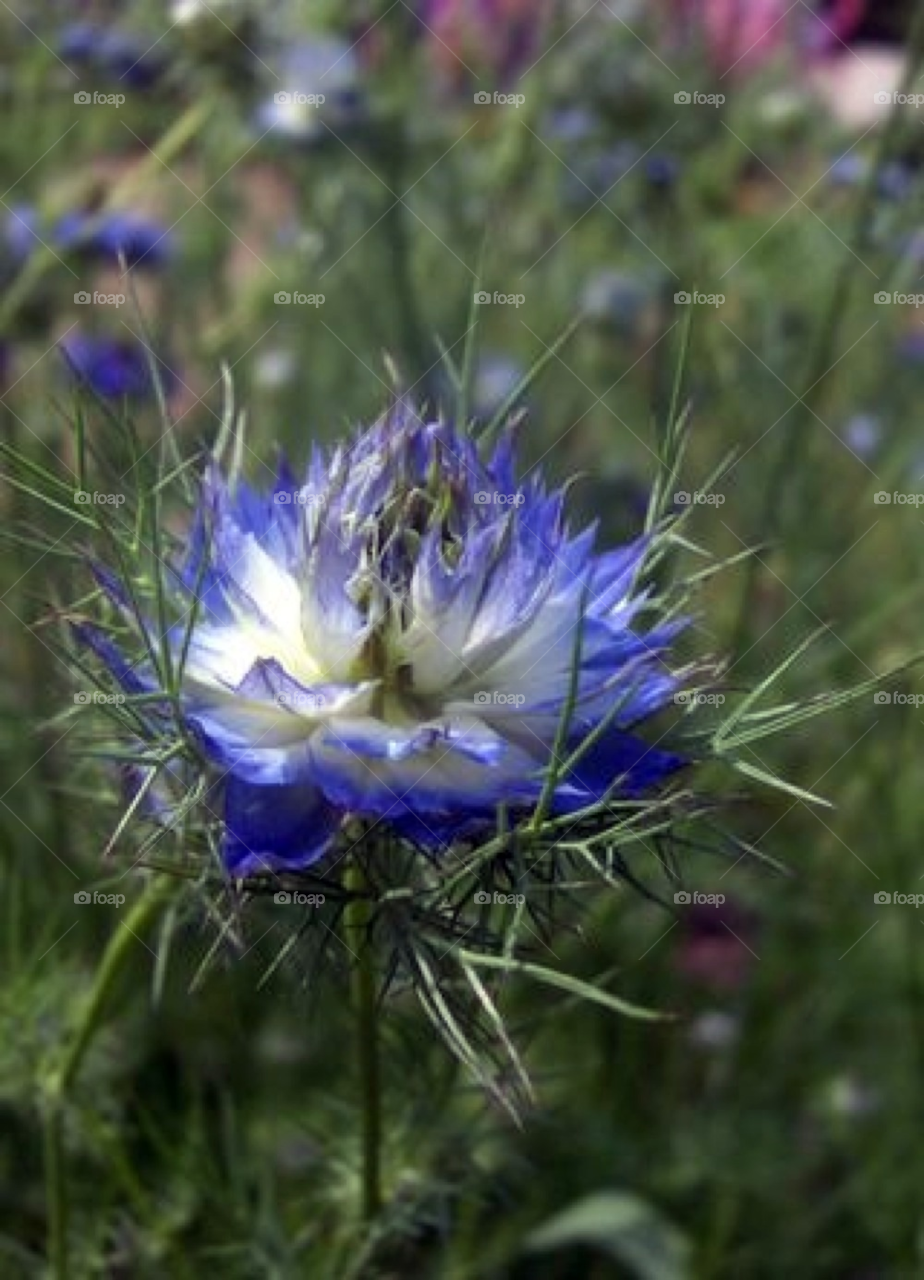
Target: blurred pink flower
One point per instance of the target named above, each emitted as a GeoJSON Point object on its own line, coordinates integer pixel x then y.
{"type": "Point", "coordinates": [502, 36]}
{"type": "Point", "coordinates": [743, 34]}
{"type": "Point", "coordinates": [714, 949]}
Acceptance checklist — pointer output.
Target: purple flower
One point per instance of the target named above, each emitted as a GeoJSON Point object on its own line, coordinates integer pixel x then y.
{"type": "Point", "coordinates": [394, 637]}
{"type": "Point", "coordinates": [132, 60]}
{"type": "Point", "coordinates": [111, 367]}
{"type": "Point", "coordinates": [140, 240]}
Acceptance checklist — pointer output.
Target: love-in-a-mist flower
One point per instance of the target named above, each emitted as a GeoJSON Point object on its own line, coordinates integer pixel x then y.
{"type": "Point", "coordinates": [395, 639]}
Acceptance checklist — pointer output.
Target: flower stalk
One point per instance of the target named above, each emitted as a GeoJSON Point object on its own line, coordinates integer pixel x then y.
{"type": "Point", "coordinates": [358, 922]}
{"type": "Point", "coordinates": [60, 1082]}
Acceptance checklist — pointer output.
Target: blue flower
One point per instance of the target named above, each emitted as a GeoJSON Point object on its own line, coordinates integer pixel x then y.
{"type": "Point", "coordinates": [140, 240]}
{"type": "Point", "coordinates": [394, 639]}
{"type": "Point", "coordinates": [21, 232]}
{"type": "Point", "coordinates": [131, 60]}
{"type": "Point", "coordinates": [317, 90]}
{"type": "Point", "coordinates": [111, 367]}
{"type": "Point", "coordinates": [661, 170]}
{"type": "Point", "coordinates": [618, 300]}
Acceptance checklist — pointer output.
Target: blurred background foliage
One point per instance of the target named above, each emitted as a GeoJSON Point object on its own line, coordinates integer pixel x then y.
{"type": "Point", "coordinates": [772, 1127]}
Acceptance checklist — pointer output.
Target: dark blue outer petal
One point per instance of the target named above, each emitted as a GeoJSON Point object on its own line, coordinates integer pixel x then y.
{"type": "Point", "coordinates": [275, 828]}
{"type": "Point", "coordinates": [617, 756]}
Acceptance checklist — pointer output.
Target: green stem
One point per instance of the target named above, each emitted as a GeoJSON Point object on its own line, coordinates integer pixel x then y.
{"type": "Point", "coordinates": [357, 920]}
{"type": "Point", "coordinates": [796, 435]}
{"type": "Point", "coordinates": [132, 927]}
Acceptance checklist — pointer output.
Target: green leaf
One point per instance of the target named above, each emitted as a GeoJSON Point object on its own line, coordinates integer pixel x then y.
{"type": "Point", "coordinates": [623, 1226]}
{"type": "Point", "coordinates": [563, 981]}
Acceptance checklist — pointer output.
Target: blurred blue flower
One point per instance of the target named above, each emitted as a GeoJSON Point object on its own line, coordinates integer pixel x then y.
{"type": "Point", "coordinates": [132, 60]}
{"type": "Point", "coordinates": [571, 124]}
{"type": "Point", "coordinates": [910, 346]}
{"type": "Point", "coordinates": [496, 376]}
{"type": "Point", "coordinates": [863, 434]}
{"type": "Point", "coordinates": [617, 299]}
{"type": "Point", "coordinates": [111, 367]}
{"type": "Point", "coordinates": [593, 176]}
{"type": "Point", "coordinates": [662, 170]}
{"type": "Point", "coordinates": [318, 89]}
{"type": "Point", "coordinates": [848, 170]}
{"type": "Point", "coordinates": [21, 231]}
{"type": "Point", "coordinates": [895, 180]}
{"type": "Point", "coordinates": [394, 639]}
{"type": "Point", "coordinates": [142, 241]}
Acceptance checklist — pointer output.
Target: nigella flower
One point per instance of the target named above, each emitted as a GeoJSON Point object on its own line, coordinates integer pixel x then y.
{"type": "Point", "coordinates": [140, 241]}
{"type": "Point", "coordinates": [395, 639]}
